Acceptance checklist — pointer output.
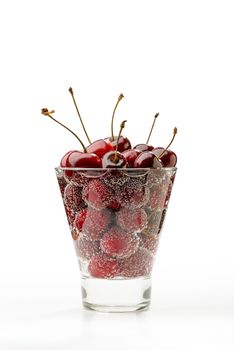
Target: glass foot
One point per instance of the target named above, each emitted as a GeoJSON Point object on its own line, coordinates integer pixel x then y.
{"type": "Point", "coordinates": [118, 295]}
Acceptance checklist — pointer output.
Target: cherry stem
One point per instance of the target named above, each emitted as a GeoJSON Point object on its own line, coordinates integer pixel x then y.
{"type": "Point", "coordinates": [113, 114]}
{"type": "Point", "coordinates": [77, 110]}
{"type": "Point", "coordinates": [174, 134]}
{"type": "Point", "coordinates": [48, 113]}
{"type": "Point", "coordinates": [122, 125]}
{"type": "Point", "coordinates": [152, 127]}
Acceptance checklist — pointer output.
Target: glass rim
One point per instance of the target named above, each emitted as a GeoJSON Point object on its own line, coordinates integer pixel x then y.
{"type": "Point", "coordinates": [121, 169]}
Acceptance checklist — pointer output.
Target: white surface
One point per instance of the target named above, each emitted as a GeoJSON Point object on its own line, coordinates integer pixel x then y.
{"type": "Point", "coordinates": [175, 57]}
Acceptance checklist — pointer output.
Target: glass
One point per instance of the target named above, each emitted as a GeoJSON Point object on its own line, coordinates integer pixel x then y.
{"type": "Point", "coordinates": [115, 218]}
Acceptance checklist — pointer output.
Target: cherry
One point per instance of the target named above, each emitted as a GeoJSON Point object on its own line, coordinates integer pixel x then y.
{"type": "Point", "coordinates": [168, 158]}
{"type": "Point", "coordinates": [100, 147]}
{"type": "Point", "coordinates": [85, 248]}
{"type": "Point", "coordinates": [73, 198]}
{"type": "Point", "coordinates": [115, 159]}
{"type": "Point", "coordinates": [118, 243]}
{"type": "Point", "coordinates": [138, 264]}
{"type": "Point", "coordinates": [97, 194]}
{"type": "Point", "coordinates": [63, 162]}
{"type": "Point", "coordinates": [110, 161]}
{"type": "Point", "coordinates": [133, 195]}
{"type": "Point", "coordinates": [123, 143]}
{"type": "Point", "coordinates": [130, 155]}
{"type": "Point", "coordinates": [78, 159]}
{"type": "Point", "coordinates": [143, 147]}
{"type": "Point", "coordinates": [80, 219]}
{"type": "Point", "coordinates": [102, 266]}
{"type": "Point", "coordinates": [147, 160]}
{"type": "Point", "coordinates": [95, 223]}
{"type": "Point", "coordinates": [157, 197]}
{"type": "Point", "coordinates": [131, 220]}
{"type": "Point", "coordinates": [81, 160]}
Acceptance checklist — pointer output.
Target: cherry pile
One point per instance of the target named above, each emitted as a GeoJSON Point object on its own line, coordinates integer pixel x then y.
{"type": "Point", "coordinates": [115, 218]}
{"type": "Point", "coordinates": [115, 200]}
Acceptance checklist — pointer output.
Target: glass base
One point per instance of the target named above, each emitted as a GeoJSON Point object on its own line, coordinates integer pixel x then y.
{"type": "Point", "coordinates": [118, 295]}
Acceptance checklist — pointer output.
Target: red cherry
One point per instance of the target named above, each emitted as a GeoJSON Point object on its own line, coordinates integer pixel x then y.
{"type": "Point", "coordinates": [63, 162]}
{"type": "Point", "coordinates": [133, 195]}
{"type": "Point", "coordinates": [85, 248]}
{"type": "Point", "coordinates": [80, 219]}
{"type": "Point", "coordinates": [131, 220]}
{"type": "Point", "coordinates": [143, 147]}
{"type": "Point", "coordinates": [168, 159]}
{"type": "Point", "coordinates": [78, 159]}
{"type": "Point", "coordinates": [95, 224]}
{"type": "Point", "coordinates": [147, 160]}
{"type": "Point", "coordinates": [138, 264]}
{"type": "Point", "coordinates": [157, 197]}
{"type": "Point", "coordinates": [97, 194]}
{"type": "Point", "coordinates": [130, 155]}
{"type": "Point", "coordinates": [123, 144]}
{"type": "Point", "coordinates": [102, 266]}
{"type": "Point", "coordinates": [118, 243]}
{"type": "Point", "coordinates": [114, 159]}
{"type": "Point", "coordinates": [73, 198]}
{"type": "Point", "coordinates": [100, 147]}
{"type": "Point", "coordinates": [115, 178]}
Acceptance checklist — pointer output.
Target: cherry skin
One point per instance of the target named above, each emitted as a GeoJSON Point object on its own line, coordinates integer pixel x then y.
{"type": "Point", "coordinates": [79, 159]}
{"type": "Point", "coordinates": [123, 144]}
{"type": "Point", "coordinates": [130, 155]}
{"type": "Point", "coordinates": [114, 159]}
{"type": "Point", "coordinates": [100, 147]}
{"type": "Point", "coordinates": [143, 147]}
{"type": "Point", "coordinates": [147, 160]}
{"type": "Point", "coordinates": [63, 161]}
{"type": "Point", "coordinates": [168, 159]}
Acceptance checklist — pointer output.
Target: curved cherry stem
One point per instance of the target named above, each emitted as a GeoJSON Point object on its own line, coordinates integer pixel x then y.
{"type": "Point", "coordinates": [152, 127]}
{"type": "Point", "coordinates": [113, 114]}
{"type": "Point", "coordinates": [48, 113]}
{"type": "Point", "coordinates": [122, 125]}
{"type": "Point", "coordinates": [174, 134]}
{"type": "Point", "coordinates": [78, 112]}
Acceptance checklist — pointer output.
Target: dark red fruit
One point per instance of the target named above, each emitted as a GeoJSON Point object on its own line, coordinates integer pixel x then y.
{"type": "Point", "coordinates": [133, 195]}
{"type": "Point", "coordinates": [85, 248]}
{"type": "Point", "coordinates": [78, 159]}
{"type": "Point", "coordinates": [168, 159]}
{"type": "Point", "coordinates": [123, 144]}
{"type": "Point", "coordinates": [73, 198]}
{"type": "Point", "coordinates": [118, 243]}
{"type": "Point", "coordinates": [138, 264]}
{"type": "Point", "coordinates": [143, 147]}
{"type": "Point", "coordinates": [147, 160]}
{"type": "Point", "coordinates": [96, 223]}
{"type": "Point", "coordinates": [97, 194]}
{"type": "Point", "coordinates": [102, 266]}
{"type": "Point", "coordinates": [131, 220]}
{"type": "Point", "coordinates": [130, 155]}
{"type": "Point", "coordinates": [114, 159]}
{"type": "Point", "coordinates": [100, 147]}
{"type": "Point", "coordinates": [63, 162]}
{"type": "Point", "coordinates": [115, 178]}
{"type": "Point", "coordinates": [80, 219]}
{"type": "Point", "coordinates": [149, 242]}
{"type": "Point", "coordinates": [157, 197]}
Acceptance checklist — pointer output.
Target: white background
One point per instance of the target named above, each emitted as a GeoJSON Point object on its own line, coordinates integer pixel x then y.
{"type": "Point", "coordinates": [175, 57]}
